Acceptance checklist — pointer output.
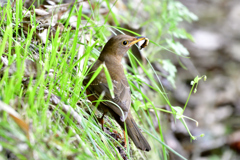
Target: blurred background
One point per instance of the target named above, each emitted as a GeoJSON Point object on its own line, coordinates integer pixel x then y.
{"type": "Point", "coordinates": [216, 104]}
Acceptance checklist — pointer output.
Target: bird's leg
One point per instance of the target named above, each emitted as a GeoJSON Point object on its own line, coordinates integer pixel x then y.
{"type": "Point", "coordinates": [101, 121]}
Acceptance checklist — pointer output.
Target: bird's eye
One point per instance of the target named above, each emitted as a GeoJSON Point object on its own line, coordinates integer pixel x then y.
{"type": "Point", "coordinates": [125, 43]}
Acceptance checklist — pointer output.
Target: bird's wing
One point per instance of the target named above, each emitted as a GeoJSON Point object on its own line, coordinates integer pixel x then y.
{"type": "Point", "coordinates": [121, 92]}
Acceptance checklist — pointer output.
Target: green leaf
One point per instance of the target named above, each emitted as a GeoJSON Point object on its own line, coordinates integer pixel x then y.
{"type": "Point", "coordinates": [93, 77]}
{"type": "Point", "coordinates": [181, 33]}
{"type": "Point", "coordinates": [137, 104]}
{"type": "Point", "coordinates": [179, 111]}
{"type": "Point", "coordinates": [178, 48]}
{"type": "Point", "coordinates": [109, 80]}
{"type": "Point", "coordinates": [171, 69]}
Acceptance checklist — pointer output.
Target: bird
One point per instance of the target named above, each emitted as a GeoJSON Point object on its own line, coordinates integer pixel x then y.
{"type": "Point", "coordinates": [111, 56]}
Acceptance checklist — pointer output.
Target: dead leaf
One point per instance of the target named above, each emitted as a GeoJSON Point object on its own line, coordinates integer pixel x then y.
{"type": "Point", "coordinates": [16, 117]}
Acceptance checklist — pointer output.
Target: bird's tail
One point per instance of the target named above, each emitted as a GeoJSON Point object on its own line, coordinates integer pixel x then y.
{"type": "Point", "coordinates": [134, 133]}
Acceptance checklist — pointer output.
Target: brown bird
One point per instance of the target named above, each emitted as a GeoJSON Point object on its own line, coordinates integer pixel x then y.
{"type": "Point", "coordinates": [111, 55]}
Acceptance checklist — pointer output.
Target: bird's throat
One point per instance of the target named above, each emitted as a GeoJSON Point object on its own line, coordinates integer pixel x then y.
{"type": "Point", "coordinates": [111, 59]}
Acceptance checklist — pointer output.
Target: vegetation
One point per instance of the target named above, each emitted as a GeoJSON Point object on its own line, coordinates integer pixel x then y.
{"type": "Point", "coordinates": [45, 113]}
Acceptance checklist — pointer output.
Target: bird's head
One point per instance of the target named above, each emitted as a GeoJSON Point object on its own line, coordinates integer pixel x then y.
{"type": "Point", "coordinates": [117, 46]}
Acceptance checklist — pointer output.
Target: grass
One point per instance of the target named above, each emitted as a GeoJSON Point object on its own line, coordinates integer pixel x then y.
{"type": "Point", "coordinates": [45, 88]}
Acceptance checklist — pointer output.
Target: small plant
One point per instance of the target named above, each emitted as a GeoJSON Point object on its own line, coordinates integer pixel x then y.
{"type": "Point", "coordinates": [44, 55]}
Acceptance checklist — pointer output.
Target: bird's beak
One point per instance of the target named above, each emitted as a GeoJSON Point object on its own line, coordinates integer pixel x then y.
{"type": "Point", "coordinates": [136, 39]}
